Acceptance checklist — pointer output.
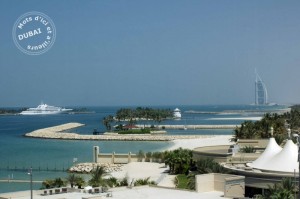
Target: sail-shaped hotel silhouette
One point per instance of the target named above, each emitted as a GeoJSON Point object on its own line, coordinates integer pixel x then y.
{"type": "Point", "coordinates": [261, 94]}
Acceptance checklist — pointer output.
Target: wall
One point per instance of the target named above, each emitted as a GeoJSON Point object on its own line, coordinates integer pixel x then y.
{"type": "Point", "coordinates": [218, 153]}
{"type": "Point", "coordinates": [113, 158]}
{"type": "Point", "coordinates": [231, 185]}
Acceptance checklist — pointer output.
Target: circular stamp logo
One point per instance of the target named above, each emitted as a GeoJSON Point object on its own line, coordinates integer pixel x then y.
{"type": "Point", "coordinates": [34, 33]}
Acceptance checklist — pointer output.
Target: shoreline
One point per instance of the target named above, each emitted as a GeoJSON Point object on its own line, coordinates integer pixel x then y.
{"type": "Point", "coordinates": [58, 132]}
{"type": "Point", "coordinates": [196, 126]}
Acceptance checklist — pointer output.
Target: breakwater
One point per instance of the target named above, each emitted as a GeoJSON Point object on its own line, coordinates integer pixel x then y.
{"type": "Point", "coordinates": [89, 167]}
{"type": "Point", "coordinates": [201, 126]}
{"type": "Point", "coordinates": [59, 132]}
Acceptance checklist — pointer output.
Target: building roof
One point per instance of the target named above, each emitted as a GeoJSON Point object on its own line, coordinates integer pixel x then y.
{"type": "Point", "coordinates": [271, 150]}
{"type": "Point", "coordinates": [285, 160]}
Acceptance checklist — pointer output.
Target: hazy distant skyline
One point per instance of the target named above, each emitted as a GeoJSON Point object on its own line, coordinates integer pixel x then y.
{"type": "Point", "coordinates": [161, 52]}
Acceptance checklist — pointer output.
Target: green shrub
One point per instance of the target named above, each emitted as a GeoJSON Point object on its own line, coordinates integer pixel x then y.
{"type": "Point", "coordinates": [248, 149]}
{"type": "Point", "coordinates": [135, 131]}
{"type": "Point", "coordinates": [182, 181]}
{"type": "Point", "coordinates": [145, 181]}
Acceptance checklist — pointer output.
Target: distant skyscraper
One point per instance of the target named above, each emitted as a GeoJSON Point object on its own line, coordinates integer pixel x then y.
{"type": "Point", "coordinates": [261, 94]}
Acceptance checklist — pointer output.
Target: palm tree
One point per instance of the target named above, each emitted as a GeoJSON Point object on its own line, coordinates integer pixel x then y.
{"type": "Point", "coordinates": [47, 184]}
{"type": "Point", "coordinates": [58, 182]}
{"type": "Point", "coordinates": [179, 161]}
{"type": "Point", "coordinates": [75, 181]}
{"type": "Point", "coordinates": [71, 179]}
{"type": "Point", "coordinates": [79, 182]}
{"type": "Point", "coordinates": [98, 177]}
{"type": "Point", "coordinates": [107, 122]}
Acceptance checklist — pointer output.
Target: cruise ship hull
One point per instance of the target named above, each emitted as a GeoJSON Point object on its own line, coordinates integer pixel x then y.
{"type": "Point", "coordinates": [45, 109]}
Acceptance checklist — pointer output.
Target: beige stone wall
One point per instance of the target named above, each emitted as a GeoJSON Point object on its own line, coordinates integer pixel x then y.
{"type": "Point", "coordinates": [116, 158]}
{"type": "Point", "coordinates": [105, 158]}
{"type": "Point", "coordinates": [219, 181]}
{"type": "Point", "coordinates": [231, 185]}
{"type": "Point", "coordinates": [204, 183]}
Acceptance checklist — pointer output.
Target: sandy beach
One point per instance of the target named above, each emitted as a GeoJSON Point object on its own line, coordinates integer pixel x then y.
{"type": "Point", "coordinates": [138, 170]}
{"type": "Point", "coordinates": [61, 132]}
{"type": "Point", "coordinates": [157, 171]}
{"type": "Point", "coordinates": [200, 142]}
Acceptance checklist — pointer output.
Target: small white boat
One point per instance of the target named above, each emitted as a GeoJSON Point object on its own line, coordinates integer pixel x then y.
{"type": "Point", "coordinates": [45, 109]}
{"type": "Point", "coordinates": [177, 113]}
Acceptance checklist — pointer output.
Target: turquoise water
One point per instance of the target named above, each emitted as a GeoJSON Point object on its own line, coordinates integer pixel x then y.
{"type": "Point", "coordinates": [49, 157]}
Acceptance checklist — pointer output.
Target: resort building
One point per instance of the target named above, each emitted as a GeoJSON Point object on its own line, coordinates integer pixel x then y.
{"type": "Point", "coordinates": [269, 164]}
{"type": "Point", "coordinates": [261, 94]}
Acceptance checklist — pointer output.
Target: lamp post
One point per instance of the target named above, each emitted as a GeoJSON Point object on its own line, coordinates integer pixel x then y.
{"type": "Point", "coordinates": [30, 174]}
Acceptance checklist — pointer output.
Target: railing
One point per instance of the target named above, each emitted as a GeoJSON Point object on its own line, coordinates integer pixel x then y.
{"type": "Point", "coordinates": [53, 167]}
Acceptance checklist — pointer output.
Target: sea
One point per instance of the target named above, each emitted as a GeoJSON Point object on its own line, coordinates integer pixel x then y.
{"type": "Point", "coordinates": [50, 159]}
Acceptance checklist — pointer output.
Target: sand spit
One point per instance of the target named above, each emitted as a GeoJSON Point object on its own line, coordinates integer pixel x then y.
{"type": "Point", "coordinates": [59, 132]}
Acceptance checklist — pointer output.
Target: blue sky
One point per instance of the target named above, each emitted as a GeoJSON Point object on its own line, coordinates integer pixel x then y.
{"type": "Point", "coordinates": [160, 52]}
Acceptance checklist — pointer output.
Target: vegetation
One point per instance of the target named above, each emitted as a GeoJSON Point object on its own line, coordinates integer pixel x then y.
{"type": "Point", "coordinates": [123, 182]}
{"type": "Point", "coordinates": [181, 181]}
{"type": "Point", "coordinates": [260, 129]}
{"type": "Point", "coordinates": [203, 166]}
{"type": "Point", "coordinates": [146, 181]}
{"type": "Point", "coordinates": [140, 156]}
{"type": "Point", "coordinates": [98, 177]}
{"type": "Point", "coordinates": [209, 165]}
{"type": "Point", "coordinates": [132, 115]}
{"type": "Point", "coordinates": [56, 183]}
{"type": "Point", "coordinates": [248, 149]}
{"type": "Point", "coordinates": [179, 161]}
{"type": "Point", "coordinates": [112, 182]}
{"type": "Point", "coordinates": [148, 156]}
{"type": "Point", "coordinates": [107, 122]}
{"type": "Point", "coordinates": [285, 189]}
{"type": "Point", "coordinates": [143, 113]}
{"type": "Point", "coordinates": [135, 131]}
{"type": "Point", "coordinates": [75, 180]}
{"type": "Point", "coordinates": [293, 117]}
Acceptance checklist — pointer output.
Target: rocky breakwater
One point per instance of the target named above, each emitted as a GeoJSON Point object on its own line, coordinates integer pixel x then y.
{"type": "Point", "coordinates": [56, 132]}
{"type": "Point", "coordinates": [59, 132]}
{"type": "Point", "coordinates": [89, 167]}
{"type": "Point", "coordinates": [150, 137]}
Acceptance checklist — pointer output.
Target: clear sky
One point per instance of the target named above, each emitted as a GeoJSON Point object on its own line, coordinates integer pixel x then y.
{"type": "Point", "coordinates": [158, 52]}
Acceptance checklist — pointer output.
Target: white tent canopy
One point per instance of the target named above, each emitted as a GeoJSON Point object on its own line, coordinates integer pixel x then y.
{"type": "Point", "coordinates": [271, 150]}
{"type": "Point", "coordinates": [285, 160]}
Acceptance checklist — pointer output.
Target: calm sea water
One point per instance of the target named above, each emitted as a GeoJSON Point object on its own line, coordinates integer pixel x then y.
{"type": "Point", "coordinates": [18, 153]}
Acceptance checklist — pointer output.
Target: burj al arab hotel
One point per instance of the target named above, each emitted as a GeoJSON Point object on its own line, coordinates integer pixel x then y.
{"type": "Point", "coordinates": [261, 94]}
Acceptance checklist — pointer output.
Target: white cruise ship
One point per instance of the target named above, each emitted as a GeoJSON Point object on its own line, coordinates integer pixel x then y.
{"type": "Point", "coordinates": [45, 109]}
